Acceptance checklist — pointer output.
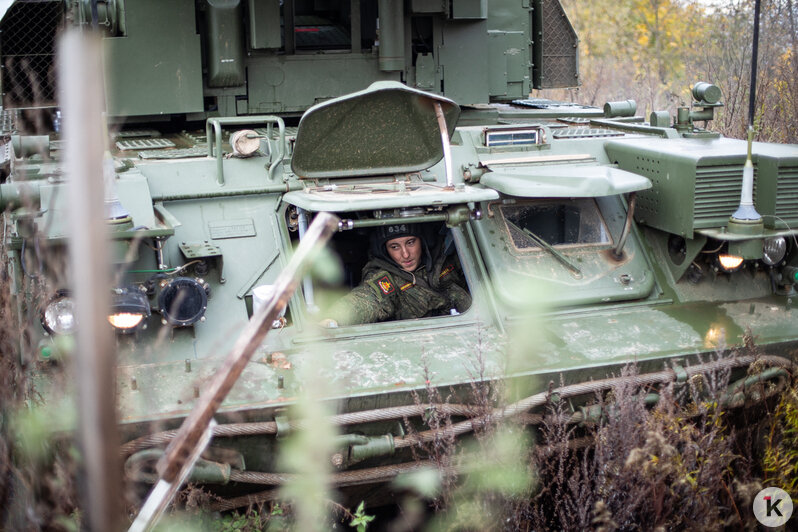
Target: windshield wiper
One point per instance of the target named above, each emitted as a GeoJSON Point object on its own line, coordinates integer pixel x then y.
{"type": "Point", "coordinates": [548, 247]}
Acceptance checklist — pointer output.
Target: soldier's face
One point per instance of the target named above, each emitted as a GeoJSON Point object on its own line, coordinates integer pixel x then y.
{"type": "Point", "coordinates": [405, 251]}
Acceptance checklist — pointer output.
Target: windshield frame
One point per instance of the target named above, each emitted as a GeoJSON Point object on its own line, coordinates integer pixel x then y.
{"type": "Point", "coordinates": [536, 249]}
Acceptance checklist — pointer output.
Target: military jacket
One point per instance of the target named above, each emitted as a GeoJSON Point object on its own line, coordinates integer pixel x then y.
{"type": "Point", "coordinates": [389, 293]}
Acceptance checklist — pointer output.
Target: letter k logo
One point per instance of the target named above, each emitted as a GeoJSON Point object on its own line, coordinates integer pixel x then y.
{"type": "Point", "coordinates": [772, 506]}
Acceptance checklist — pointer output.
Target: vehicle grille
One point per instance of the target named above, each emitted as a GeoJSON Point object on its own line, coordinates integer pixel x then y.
{"type": "Point", "coordinates": [787, 195]}
{"type": "Point", "coordinates": [585, 132]}
{"type": "Point", "coordinates": [717, 194]}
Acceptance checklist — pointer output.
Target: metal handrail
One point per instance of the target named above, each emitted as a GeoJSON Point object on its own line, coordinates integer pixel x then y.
{"type": "Point", "coordinates": [217, 122]}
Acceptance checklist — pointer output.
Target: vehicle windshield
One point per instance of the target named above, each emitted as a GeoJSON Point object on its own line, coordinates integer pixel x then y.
{"type": "Point", "coordinates": [559, 223]}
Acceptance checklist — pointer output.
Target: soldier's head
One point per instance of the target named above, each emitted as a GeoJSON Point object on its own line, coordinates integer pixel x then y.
{"type": "Point", "coordinates": [402, 243]}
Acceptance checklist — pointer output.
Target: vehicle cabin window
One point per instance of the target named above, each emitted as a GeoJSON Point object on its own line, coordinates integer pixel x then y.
{"type": "Point", "coordinates": [559, 223]}
{"type": "Point", "coordinates": [374, 288]}
{"type": "Point", "coordinates": [326, 25]}
{"type": "Point", "coordinates": [560, 249]}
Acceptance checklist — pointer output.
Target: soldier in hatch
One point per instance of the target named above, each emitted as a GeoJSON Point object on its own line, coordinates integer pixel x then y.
{"type": "Point", "coordinates": [404, 279]}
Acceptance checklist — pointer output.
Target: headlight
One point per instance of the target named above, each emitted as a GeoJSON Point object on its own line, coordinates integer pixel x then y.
{"type": "Point", "coordinates": [730, 263]}
{"type": "Point", "coordinates": [129, 310]}
{"type": "Point", "coordinates": [58, 317]}
{"type": "Point", "coordinates": [773, 250]}
{"type": "Point", "coordinates": [183, 302]}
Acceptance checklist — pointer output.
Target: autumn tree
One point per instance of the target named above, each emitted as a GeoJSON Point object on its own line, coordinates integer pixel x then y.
{"type": "Point", "coordinates": [653, 51]}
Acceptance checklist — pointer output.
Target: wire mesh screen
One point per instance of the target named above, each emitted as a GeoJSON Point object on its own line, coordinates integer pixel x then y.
{"type": "Point", "coordinates": [559, 48]}
{"type": "Point", "coordinates": [27, 50]}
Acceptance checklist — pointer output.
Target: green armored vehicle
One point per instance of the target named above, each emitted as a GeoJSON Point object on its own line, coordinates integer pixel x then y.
{"type": "Point", "coordinates": [584, 238]}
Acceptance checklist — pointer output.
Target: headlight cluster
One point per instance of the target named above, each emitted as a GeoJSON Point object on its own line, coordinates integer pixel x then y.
{"type": "Point", "coordinates": [774, 249]}
{"type": "Point", "coordinates": [181, 301]}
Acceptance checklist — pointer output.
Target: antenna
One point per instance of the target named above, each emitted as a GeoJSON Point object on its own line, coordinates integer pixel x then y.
{"type": "Point", "coordinates": [754, 52]}
{"type": "Point", "coordinates": [746, 211]}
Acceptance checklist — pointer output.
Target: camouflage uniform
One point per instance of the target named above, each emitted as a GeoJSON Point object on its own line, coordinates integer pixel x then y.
{"type": "Point", "coordinates": [390, 293]}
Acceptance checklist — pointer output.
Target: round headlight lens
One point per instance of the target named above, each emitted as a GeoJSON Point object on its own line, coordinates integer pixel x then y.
{"type": "Point", "coordinates": [773, 250]}
{"type": "Point", "coordinates": [58, 316]}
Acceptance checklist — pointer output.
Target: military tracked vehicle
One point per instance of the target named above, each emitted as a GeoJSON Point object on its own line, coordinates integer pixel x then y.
{"type": "Point", "coordinates": [233, 124]}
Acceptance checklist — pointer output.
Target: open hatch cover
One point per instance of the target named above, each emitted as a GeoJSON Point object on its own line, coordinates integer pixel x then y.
{"type": "Point", "coordinates": [385, 129]}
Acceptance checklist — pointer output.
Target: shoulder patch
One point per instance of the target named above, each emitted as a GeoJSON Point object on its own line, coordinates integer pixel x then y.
{"type": "Point", "coordinates": [385, 285]}
{"type": "Point", "coordinates": [446, 271]}
{"type": "Point", "coordinates": [406, 286]}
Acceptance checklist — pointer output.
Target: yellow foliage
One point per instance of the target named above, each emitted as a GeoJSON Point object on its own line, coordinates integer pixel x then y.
{"type": "Point", "coordinates": [781, 454]}
{"type": "Point", "coordinates": [653, 51]}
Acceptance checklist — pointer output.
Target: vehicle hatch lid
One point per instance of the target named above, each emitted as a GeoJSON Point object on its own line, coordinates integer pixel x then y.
{"type": "Point", "coordinates": [387, 128]}
{"type": "Point", "coordinates": [564, 181]}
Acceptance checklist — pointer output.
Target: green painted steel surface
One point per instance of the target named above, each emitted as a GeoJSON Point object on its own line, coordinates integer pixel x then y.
{"type": "Point", "coordinates": [225, 37]}
{"type": "Point", "coordinates": [570, 181]}
{"type": "Point", "coordinates": [385, 196]}
{"type": "Point", "coordinates": [388, 128]}
{"type": "Point", "coordinates": [613, 311]}
{"type": "Point", "coordinates": [205, 58]}
{"type": "Point", "coordinates": [697, 183]}
{"type": "Point", "coordinates": [533, 218]}
{"type": "Point", "coordinates": [155, 68]}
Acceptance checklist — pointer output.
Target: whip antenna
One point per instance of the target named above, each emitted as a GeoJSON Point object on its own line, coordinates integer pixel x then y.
{"type": "Point", "coordinates": [754, 54]}
{"type": "Point", "coordinates": [746, 210]}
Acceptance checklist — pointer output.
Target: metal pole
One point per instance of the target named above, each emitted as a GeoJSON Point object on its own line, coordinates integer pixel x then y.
{"type": "Point", "coordinates": [80, 79]}
{"type": "Point", "coordinates": [627, 226]}
{"type": "Point", "coordinates": [307, 282]}
{"type": "Point", "coordinates": [447, 147]}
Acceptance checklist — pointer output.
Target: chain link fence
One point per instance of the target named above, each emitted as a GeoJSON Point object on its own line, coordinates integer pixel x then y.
{"type": "Point", "coordinates": [27, 53]}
